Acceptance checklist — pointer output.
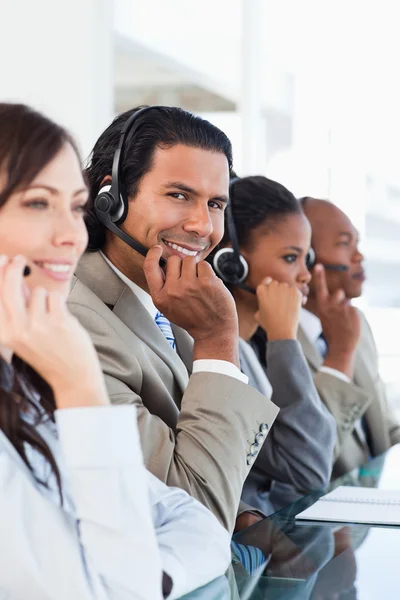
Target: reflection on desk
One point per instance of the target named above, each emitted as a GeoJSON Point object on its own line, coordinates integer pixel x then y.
{"type": "Point", "coordinates": [304, 561]}
{"type": "Point", "coordinates": [280, 558]}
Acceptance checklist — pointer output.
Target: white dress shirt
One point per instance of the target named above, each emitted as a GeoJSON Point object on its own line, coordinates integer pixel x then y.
{"type": "Point", "coordinates": [312, 327]}
{"type": "Point", "coordinates": [119, 527]}
{"type": "Point", "coordinates": [222, 367]}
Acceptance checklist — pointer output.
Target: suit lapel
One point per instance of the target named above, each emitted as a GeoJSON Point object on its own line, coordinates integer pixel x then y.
{"type": "Point", "coordinates": [184, 345]}
{"type": "Point", "coordinates": [132, 312]}
{"type": "Point", "coordinates": [374, 417]}
{"type": "Point", "coordinates": [364, 379]}
{"type": "Point", "coordinates": [96, 274]}
{"type": "Point", "coordinates": [311, 353]}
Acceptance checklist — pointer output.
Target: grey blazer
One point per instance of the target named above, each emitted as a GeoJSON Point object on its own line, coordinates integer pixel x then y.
{"type": "Point", "coordinates": [299, 450]}
{"type": "Point", "coordinates": [365, 396]}
{"type": "Point", "coordinates": [197, 431]}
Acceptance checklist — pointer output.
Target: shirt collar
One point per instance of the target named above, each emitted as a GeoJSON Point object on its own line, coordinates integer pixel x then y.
{"type": "Point", "coordinates": [311, 325]}
{"type": "Point", "coordinates": [143, 296]}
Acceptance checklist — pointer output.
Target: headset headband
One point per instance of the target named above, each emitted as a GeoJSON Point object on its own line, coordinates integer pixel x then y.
{"type": "Point", "coordinates": [110, 206]}
{"type": "Point", "coordinates": [129, 125]}
{"type": "Point", "coordinates": [230, 222]}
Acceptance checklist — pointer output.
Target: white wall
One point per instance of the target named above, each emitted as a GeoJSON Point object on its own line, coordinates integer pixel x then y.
{"type": "Point", "coordinates": [57, 56]}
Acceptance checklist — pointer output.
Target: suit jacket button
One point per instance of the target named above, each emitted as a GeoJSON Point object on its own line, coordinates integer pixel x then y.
{"type": "Point", "coordinates": [254, 449]}
{"type": "Point", "coordinates": [250, 459]}
{"type": "Point", "coordinates": [263, 428]}
{"type": "Point", "coordinates": [259, 438]}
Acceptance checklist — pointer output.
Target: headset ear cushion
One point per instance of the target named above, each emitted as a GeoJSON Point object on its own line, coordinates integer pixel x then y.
{"type": "Point", "coordinates": [229, 267]}
{"type": "Point", "coordinates": [104, 203]}
{"type": "Point", "coordinates": [107, 208]}
{"type": "Point", "coordinates": [104, 207]}
{"type": "Point", "coordinates": [310, 258]}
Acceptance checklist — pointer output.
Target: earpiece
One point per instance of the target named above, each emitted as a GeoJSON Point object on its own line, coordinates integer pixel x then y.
{"type": "Point", "coordinates": [310, 259]}
{"type": "Point", "coordinates": [108, 208]}
{"type": "Point", "coordinates": [230, 269]}
{"type": "Point", "coordinates": [310, 263]}
{"type": "Point", "coordinates": [228, 263]}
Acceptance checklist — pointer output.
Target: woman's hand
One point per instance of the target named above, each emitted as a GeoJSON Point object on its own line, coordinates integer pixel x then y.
{"type": "Point", "coordinates": [279, 307]}
{"type": "Point", "coordinates": [40, 330]}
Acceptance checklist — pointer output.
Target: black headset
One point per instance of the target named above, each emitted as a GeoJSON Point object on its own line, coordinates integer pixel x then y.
{"type": "Point", "coordinates": [310, 261]}
{"type": "Point", "coordinates": [228, 263]}
{"type": "Point", "coordinates": [110, 207]}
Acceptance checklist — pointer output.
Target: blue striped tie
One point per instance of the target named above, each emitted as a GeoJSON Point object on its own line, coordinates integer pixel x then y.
{"type": "Point", "coordinates": [251, 558]}
{"type": "Point", "coordinates": [165, 327]}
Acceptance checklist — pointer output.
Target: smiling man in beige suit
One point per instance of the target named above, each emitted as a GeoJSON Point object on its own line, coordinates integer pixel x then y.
{"type": "Point", "coordinates": [338, 343]}
{"type": "Point", "coordinates": [168, 339]}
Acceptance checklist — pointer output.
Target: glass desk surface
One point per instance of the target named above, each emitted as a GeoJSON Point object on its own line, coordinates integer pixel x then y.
{"type": "Point", "coordinates": [280, 558]}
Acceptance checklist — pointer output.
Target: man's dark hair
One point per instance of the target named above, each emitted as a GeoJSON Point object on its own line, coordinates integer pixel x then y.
{"type": "Point", "coordinates": [162, 127]}
{"type": "Point", "coordinates": [258, 201]}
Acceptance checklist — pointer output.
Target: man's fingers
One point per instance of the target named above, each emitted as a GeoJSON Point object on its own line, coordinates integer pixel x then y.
{"type": "Point", "coordinates": [173, 270]}
{"type": "Point", "coordinates": [153, 272]}
{"type": "Point", "coordinates": [321, 288]}
{"type": "Point", "coordinates": [189, 267]}
{"type": "Point", "coordinates": [339, 297]}
{"type": "Point", "coordinates": [204, 269]}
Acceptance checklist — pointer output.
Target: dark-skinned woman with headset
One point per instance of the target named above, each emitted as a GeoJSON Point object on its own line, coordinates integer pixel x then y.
{"type": "Point", "coordinates": [263, 261]}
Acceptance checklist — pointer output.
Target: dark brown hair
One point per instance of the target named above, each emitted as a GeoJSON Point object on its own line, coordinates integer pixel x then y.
{"type": "Point", "coordinates": [28, 142]}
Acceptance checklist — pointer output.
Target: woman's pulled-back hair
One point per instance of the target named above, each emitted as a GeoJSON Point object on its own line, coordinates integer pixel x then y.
{"type": "Point", "coordinates": [258, 201]}
{"type": "Point", "coordinates": [28, 143]}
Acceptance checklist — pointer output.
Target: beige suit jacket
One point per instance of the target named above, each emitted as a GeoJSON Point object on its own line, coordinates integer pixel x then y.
{"type": "Point", "coordinates": [364, 397]}
{"type": "Point", "coordinates": [196, 430]}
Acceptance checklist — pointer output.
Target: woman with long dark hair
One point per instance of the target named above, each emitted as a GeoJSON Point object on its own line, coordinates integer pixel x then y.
{"type": "Point", "coordinates": [80, 517]}
{"type": "Point", "coordinates": [273, 238]}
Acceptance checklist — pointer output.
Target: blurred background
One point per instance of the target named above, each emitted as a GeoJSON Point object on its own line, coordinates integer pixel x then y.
{"type": "Point", "coordinates": [307, 90]}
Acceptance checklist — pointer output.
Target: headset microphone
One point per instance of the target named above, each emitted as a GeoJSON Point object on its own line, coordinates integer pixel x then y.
{"type": "Point", "coordinates": [110, 207]}
{"type": "Point", "coordinates": [103, 213]}
{"type": "Point", "coordinates": [310, 261]}
{"type": "Point", "coordinates": [336, 267]}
